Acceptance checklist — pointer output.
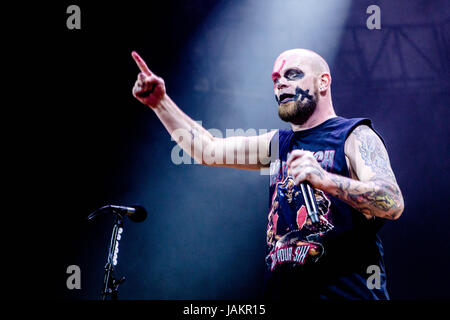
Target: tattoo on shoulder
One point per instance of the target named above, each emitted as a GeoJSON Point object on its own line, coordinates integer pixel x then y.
{"type": "Point", "coordinates": [373, 152]}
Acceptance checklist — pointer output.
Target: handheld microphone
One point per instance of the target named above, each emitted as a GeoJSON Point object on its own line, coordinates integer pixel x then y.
{"type": "Point", "coordinates": [310, 202]}
{"type": "Point", "coordinates": [135, 213]}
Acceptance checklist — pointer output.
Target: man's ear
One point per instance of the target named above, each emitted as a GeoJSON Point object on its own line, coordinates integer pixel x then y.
{"type": "Point", "coordinates": [324, 82]}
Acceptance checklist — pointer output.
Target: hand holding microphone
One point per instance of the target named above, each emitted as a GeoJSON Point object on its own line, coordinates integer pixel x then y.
{"type": "Point", "coordinates": [307, 173]}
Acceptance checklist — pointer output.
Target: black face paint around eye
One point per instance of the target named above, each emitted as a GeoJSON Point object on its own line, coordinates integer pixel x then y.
{"type": "Point", "coordinates": [294, 74]}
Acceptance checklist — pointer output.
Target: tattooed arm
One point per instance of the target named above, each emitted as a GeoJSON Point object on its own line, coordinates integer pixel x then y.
{"type": "Point", "coordinates": [371, 188]}
{"type": "Point", "coordinates": [376, 193]}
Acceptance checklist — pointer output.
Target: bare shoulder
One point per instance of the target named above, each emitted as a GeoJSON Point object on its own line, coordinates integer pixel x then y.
{"type": "Point", "coordinates": [269, 135]}
{"type": "Point", "coordinates": [368, 155]}
{"type": "Point", "coordinates": [262, 140]}
{"type": "Point", "coordinates": [265, 139]}
{"type": "Point", "coordinates": [244, 152]}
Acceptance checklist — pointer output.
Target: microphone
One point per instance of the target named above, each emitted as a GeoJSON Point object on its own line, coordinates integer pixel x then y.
{"type": "Point", "coordinates": [135, 213]}
{"type": "Point", "coordinates": [310, 202]}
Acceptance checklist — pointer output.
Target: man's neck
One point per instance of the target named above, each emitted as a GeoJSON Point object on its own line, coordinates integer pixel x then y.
{"type": "Point", "coordinates": [320, 115]}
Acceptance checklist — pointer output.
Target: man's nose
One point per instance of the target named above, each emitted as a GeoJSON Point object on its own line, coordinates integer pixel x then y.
{"type": "Point", "coordinates": [281, 84]}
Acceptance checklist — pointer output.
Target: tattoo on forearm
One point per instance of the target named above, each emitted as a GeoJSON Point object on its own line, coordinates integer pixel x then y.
{"type": "Point", "coordinates": [377, 197]}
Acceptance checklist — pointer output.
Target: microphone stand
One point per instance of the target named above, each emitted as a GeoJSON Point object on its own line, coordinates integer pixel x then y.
{"type": "Point", "coordinates": [110, 284]}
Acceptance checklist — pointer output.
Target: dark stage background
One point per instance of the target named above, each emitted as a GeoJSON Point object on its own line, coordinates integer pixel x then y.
{"type": "Point", "coordinates": [81, 141]}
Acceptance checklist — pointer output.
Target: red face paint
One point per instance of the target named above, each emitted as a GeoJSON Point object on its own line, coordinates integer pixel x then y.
{"type": "Point", "coordinates": [282, 65]}
{"type": "Point", "coordinates": [276, 73]}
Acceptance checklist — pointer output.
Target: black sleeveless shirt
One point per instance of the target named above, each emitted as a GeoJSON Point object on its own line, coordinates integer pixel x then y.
{"type": "Point", "coordinates": [331, 261]}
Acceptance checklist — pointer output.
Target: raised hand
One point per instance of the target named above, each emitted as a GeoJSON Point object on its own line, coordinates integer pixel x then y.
{"type": "Point", "coordinates": [149, 89]}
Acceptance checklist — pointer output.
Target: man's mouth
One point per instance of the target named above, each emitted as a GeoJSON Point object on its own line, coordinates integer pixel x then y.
{"type": "Point", "coordinates": [286, 97]}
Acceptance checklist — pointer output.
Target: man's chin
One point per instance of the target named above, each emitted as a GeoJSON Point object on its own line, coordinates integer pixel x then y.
{"type": "Point", "coordinates": [286, 111]}
{"type": "Point", "coordinates": [287, 108]}
{"type": "Point", "coordinates": [289, 112]}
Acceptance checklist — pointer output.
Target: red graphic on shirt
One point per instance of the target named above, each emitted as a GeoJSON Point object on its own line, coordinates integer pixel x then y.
{"type": "Point", "coordinates": [302, 214]}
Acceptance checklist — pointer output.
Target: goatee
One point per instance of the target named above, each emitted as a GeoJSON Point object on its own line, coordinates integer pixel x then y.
{"type": "Point", "coordinates": [297, 112]}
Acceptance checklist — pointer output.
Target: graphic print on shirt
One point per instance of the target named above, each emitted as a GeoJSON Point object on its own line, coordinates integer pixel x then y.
{"type": "Point", "coordinates": [291, 237]}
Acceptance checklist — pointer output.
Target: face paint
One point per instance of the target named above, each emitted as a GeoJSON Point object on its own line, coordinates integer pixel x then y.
{"type": "Point", "coordinates": [294, 74]}
{"type": "Point", "coordinates": [299, 92]}
{"type": "Point", "coordinates": [297, 111]}
{"type": "Point", "coordinates": [280, 68]}
{"type": "Point", "coordinates": [295, 92]}
{"type": "Point", "coordinates": [304, 94]}
{"type": "Point", "coordinates": [276, 72]}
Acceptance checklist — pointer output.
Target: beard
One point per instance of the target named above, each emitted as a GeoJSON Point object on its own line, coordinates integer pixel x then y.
{"type": "Point", "coordinates": [298, 112]}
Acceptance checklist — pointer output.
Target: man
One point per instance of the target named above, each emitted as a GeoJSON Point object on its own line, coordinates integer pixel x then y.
{"type": "Point", "coordinates": [344, 160]}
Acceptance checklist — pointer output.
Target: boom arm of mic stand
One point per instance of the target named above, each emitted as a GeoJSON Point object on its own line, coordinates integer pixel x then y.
{"type": "Point", "coordinates": [96, 212]}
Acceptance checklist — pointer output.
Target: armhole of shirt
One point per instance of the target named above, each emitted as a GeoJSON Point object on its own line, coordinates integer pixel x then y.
{"type": "Point", "coordinates": [281, 137]}
{"type": "Point", "coordinates": [368, 123]}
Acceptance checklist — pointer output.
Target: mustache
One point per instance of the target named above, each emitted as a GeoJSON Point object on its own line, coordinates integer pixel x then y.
{"type": "Point", "coordinates": [299, 92]}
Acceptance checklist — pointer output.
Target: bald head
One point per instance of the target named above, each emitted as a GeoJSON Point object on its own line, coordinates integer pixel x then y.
{"type": "Point", "coordinates": [301, 81]}
{"type": "Point", "coordinates": [302, 58]}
